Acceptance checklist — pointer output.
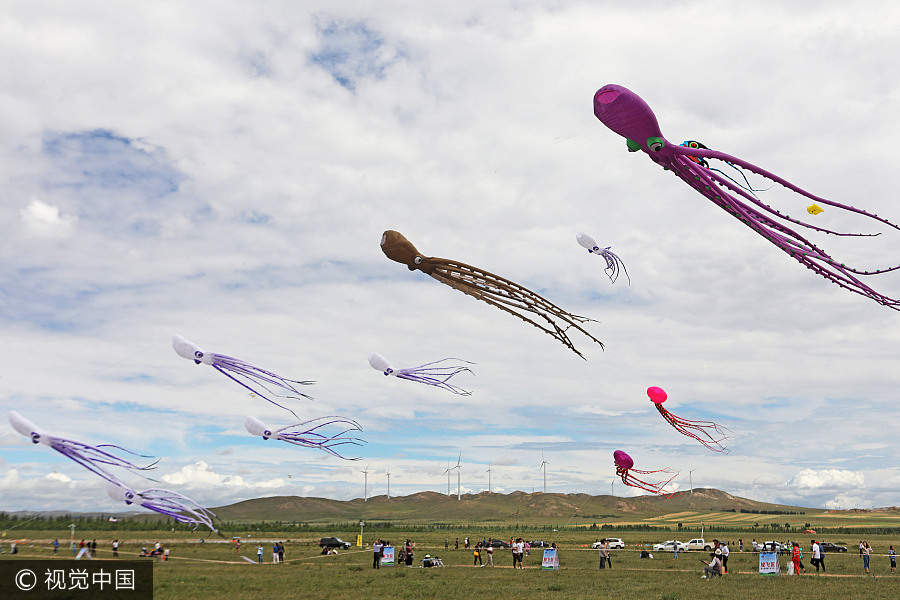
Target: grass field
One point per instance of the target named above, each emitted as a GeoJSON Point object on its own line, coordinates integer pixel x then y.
{"type": "Point", "coordinates": [214, 570]}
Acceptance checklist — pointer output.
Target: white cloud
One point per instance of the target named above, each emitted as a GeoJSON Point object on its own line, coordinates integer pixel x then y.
{"type": "Point", "coordinates": [827, 478]}
{"type": "Point", "coordinates": [199, 476]}
{"type": "Point", "coordinates": [45, 219]}
{"type": "Point", "coordinates": [54, 476]}
{"type": "Point", "coordinates": [847, 501]}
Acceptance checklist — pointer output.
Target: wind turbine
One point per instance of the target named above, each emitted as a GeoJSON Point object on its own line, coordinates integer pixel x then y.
{"type": "Point", "coordinates": [691, 477]}
{"type": "Point", "coordinates": [489, 469]}
{"type": "Point", "coordinates": [366, 484]}
{"type": "Point", "coordinates": [447, 471]}
{"type": "Point", "coordinates": [458, 468]}
{"type": "Point", "coordinates": [543, 466]}
{"type": "Point", "coordinates": [388, 473]}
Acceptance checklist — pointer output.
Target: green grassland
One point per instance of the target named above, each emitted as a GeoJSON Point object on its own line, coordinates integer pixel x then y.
{"type": "Point", "coordinates": [214, 569]}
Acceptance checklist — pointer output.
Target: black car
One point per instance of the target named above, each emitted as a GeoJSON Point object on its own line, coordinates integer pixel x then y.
{"type": "Point", "coordinates": [539, 544]}
{"type": "Point", "coordinates": [829, 547]}
{"type": "Point", "coordinates": [498, 544]}
{"type": "Point", "coordinates": [333, 542]}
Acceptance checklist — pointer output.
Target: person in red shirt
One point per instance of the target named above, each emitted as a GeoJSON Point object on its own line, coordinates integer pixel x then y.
{"type": "Point", "coordinates": [796, 558]}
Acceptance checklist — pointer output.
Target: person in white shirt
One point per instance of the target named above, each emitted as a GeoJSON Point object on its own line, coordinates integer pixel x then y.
{"type": "Point", "coordinates": [816, 555]}
{"type": "Point", "coordinates": [376, 554]}
{"type": "Point", "coordinates": [490, 555]}
{"type": "Point", "coordinates": [725, 553]}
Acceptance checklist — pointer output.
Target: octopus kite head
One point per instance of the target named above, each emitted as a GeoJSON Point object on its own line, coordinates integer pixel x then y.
{"type": "Point", "coordinates": [627, 114]}
{"type": "Point", "coordinates": [657, 395]}
{"type": "Point", "coordinates": [587, 242]}
{"type": "Point", "coordinates": [28, 429]}
{"type": "Point", "coordinates": [190, 351]}
{"type": "Point", "coordinates": [622, 460]}
{"type": "Point", "coordinates": [120, 493]}
{"type": "Point", "coordinates": [380, 363]}
{"type": "Point", "coordinates": [398, 248]}
{"type": "Point", "coordinates": [257, 427]}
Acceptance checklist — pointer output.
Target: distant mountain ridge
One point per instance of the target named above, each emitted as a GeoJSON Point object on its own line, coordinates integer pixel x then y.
{"type": "Point", "coordinates": [432, 506]}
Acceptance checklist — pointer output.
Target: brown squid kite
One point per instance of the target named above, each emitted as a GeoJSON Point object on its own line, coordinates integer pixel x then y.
{"type": "Point", "coordinates": [493, 289]}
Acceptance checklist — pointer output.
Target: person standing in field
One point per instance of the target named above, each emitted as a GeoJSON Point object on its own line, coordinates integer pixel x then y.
{"type": "Point", "coordinates": [740, 544]}
{"type": "Point", "coordinates": [259, 553]}
{"type": "Point", "coordinates": [274, 553]}
{"type": "Point", "coordinates": [725, 553]}
{"type": "Point", "coordinates": [376, 554]}
{"type": "Point", "coordinates": [457, 544]}
{"type": "Point", "coordinates": [866, 554]}
{"type": "Point", "coordinates": [490, 555]}
{"type": "Point", "coordinates": [816, 559]}
{"type": "Point", "coordinates": [477, 555]}
{"type": "Point", "coordinates": [281, 552]}
{"type": "Point", "coordinates": [446, 543]}
{"type": "Point", "coordinates": [796, 557]}
{"type": "Point", "coordinates": [56, 546]}
{"type": "Point", "coordinates": [892, 554]}
{"type": "Point", "coordinates": [467, 542]}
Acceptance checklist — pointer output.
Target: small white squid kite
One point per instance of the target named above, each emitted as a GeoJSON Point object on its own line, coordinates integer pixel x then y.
{"type": "Point", "coordinates": [96, 459]}
{"type": "Point", "coordinates": [310, 434]}
{"type": "Point", "coordinates": [259, 381]}
{"type": "Point", "coordinates": [437, 373]}
{"type": "Point", "coordinates": [166, 502]}
{"type": "Point", "coordinates": [613, 262]}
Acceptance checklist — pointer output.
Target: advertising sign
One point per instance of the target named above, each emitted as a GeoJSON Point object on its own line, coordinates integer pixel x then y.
{"type": "Point", "coordinates": [387, 556]}
{"type": "Point", "coordinates": [551, 559]}
{"type": "Point", "coordinates": [768, 563]}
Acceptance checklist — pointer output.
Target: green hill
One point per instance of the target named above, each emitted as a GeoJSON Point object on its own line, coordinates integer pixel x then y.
{"type": "Point", "coordinates": [516, 506]}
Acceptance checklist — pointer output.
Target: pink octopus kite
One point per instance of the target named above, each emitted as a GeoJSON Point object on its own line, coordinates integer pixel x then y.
{"type": "Point", "coordinates": [625, 468]}
{"type": "Point", "coordinates": [705, 430]}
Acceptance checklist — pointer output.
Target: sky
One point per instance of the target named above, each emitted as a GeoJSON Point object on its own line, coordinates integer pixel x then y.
{"type": "Point", "coordinates": [224, 171]}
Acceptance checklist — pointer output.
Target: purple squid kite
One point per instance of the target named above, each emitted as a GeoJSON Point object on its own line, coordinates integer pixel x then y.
{"type": "Point", "coordinates": [627, 114]}
{"type": "Point", "coordinates": [96, 459]}
{"type": "Point", "coordinates": [310, 434]}
{"type": "Point", "coordinates": [259, 381]}
{"type": "Point", "coordinates": [613, 262]}
{"type": "Point", "coordinates": [437, 373]}
{"type": "Point", "coordinates": [165, 502]}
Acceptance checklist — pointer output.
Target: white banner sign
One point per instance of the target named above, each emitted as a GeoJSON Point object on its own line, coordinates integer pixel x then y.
{"type": "Point", "coordinates": [387, 556]}
{"type": "Point", "coordinates": [768, 563]}
{"type": "Point", "coordinates": [551, 559]}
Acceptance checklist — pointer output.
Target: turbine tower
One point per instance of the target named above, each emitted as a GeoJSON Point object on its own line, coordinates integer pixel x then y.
{"type": "Point", "coordinates": [458, 468]}
{"type": "Point", "coordinates": [543, 466]}
{"type": "Point", "coordinates": [489, 469]}
{"type": "Point", "coordinates": [447, 472]}
{"type": "Point", "coordinates": [365, 473]}
{"type": "Point", "coordinates": [388, 473]}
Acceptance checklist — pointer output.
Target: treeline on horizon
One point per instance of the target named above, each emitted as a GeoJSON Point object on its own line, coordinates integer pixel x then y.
{"type": "Point", "coordinates": [9, 523]}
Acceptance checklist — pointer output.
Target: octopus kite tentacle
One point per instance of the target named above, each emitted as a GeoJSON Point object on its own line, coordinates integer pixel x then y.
{"type": "Point", "coordinates": [613, 262]}
{"type": "Point", "coordinates": [93, 458]}
{"type": "Point", "coordinates": [310, 434]}
{"type": "Point", "coordinates": [166, 502]}
{"type": "Point", "coordinates": [625, 468]}
{"type": "Point", "coordinates": [707, 433]}
{"type": "Point", "coordinates": [436, 373]}
{"type": "Point", "coordinates": [627, 114]}
{"type": "Point", "coordinates": [497, 291]}
{"type": "Point", "coordinates": [261, 382]}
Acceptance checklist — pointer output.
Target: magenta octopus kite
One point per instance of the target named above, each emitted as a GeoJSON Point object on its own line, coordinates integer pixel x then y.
{"type": "Point", "coordinates": [625, 468]}
{"type": "Point", "coordinates": [707, 433]}
{"type": "Point", "coordinates": [627, 114]}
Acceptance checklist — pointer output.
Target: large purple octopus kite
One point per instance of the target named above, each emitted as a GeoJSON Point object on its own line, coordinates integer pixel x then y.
{"type": "Point", "coordinates": [627, 114]}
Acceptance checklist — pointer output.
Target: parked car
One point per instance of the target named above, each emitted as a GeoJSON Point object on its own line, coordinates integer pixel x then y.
{"type": "Point", "coordinates": [699, 544]}
{"type": "Point", "coordinates": [773, 547]}
{"type": "Point", "coordinates": [829, 547]}
{"type": "Point", "coordinates": [498, 544]}
{"type": "Point", "coordinates": [669, 546]}
{"type": "Point", "coordinates": [614, 543]}
{"type": "Point", "coordinates": [333, 542]}
{"type": "Point", "coordinates": [539, 544]}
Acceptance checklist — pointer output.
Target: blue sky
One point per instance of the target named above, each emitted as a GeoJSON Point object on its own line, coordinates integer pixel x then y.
{"type": "Point", "coordinates": [230, 179]}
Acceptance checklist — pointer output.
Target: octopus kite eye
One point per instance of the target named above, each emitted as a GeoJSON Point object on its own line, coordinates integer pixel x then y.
{"type": "Point", "coordinates": [267, 434]}
{"type": "Point", "coordinates": [418, 260]}
{"type": "Point", "coordinates": [35, 438]}
{"type": "Point", "coordinates": [388, 372]}
{"type": "Point", "coordinates": [198, 354]}
{"type": "Point", "coordinates": [656, 144]}
{"type": "Point", "coordinates": [633, 146]}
